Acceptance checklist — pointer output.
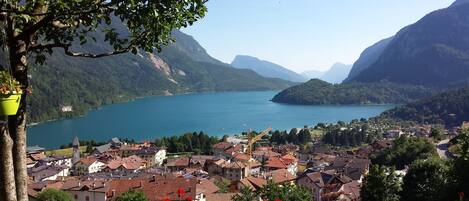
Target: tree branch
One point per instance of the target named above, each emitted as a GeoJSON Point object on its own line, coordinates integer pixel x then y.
{"type": "Point", "coordinates": [89, 55]}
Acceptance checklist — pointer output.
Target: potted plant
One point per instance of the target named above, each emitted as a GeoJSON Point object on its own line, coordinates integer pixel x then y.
{"type": "Point", "coordinates": [10, 94]}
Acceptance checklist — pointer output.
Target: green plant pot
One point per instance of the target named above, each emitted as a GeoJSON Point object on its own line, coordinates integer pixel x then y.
{"type": "Point", "coordinates": [9, 104]}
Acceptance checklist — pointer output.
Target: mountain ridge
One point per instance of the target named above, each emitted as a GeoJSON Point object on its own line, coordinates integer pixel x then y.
{"type": "Point", "coordinates": [266, 68]}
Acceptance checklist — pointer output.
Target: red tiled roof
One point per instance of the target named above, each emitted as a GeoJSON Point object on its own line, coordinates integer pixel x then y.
{"type": "Point", "coordinates": [275, 162]}
{"type": "Point", "coordinates": [242, 157]}
{"type": "Point", "coordinates": [178, 162]}
{"type": "Point", "coordinates": [87, 161]}
{"type": "Point", "coordinates": [222, 145]}
{"type": "Point", "coordinates": [157, 189]}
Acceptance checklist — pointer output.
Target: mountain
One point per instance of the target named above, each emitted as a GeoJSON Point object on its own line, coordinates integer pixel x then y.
{"type": "Point", "coordinates": [319, 92]}
{"type": "Point", "coordinates": [337, 73]}
{"type": "Point", "coordinates": [312, 74]}
{"type": "Point", "coordinates": [449, 108]}
{"type": "Point", "coordinates": [181, 67]}
{"type": "Point", "coordinates": [265, 68]}
{"type": "Point", "coordinates": [432, 52]}
{"type": "Point", "coordinates": [368, 57]}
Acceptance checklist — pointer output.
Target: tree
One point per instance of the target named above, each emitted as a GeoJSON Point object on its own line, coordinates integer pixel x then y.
{"type": "Point", "coordinates": [272, 191]}
{"type": "Point", "coordinates": [381, 184]}
{"type": "Point", "coordinates": [51, 194]}
{"type": "Point", "coordinates": [426, 180]}
{"type": "Point", "coordinates": [33, 29]}
{"type": "Point", "coordinates": [437, 132]}
{"type": "Point", "coordinates": [459, 178]}
{"type": "Point", "coordinates": [246, 194]}
{"type": "Point", "coordinates": [132, 196]}
{"type": "Point", "coordinates": [405, 151]}
{"type": "Point", "coordinates": [285, 192]}
{"type": "Point", "coordinates": [223, 184]}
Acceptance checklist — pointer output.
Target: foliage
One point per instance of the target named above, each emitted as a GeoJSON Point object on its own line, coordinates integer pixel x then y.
{"type": "Point", "coordinates": [437, 132]}
{"type": "Point", "coordinates": [8, 84]}
{"type": "Point", "coordinates": [245, 194]}
{"type": "Point", "coordinates": [83, 143]}
{"type": "Point", "coordinates": [458, 173]}
{"type": "Point", "coordinates": [132, 196]}
{"type": "Point", "coordinates": [272, 191]}
{"type": "Point", "coordinates": [296, 137]}
{"type": "Point", "coordinates": [51, 194]}
{"type": "Point", "coordinates": [404, 151]}
{"type": "Point", "coordinates": [200, 143]}
{"type": "Point", "coordinates": [223, 184]}
{"type": "Point", "coordinates": [381, 184]}
{"type": "Point", "coordinates": [426, 180]}
{"type": "Point", "coordinates": [318, 92]}
{"type": "Point", "coordinates": [449, 108]}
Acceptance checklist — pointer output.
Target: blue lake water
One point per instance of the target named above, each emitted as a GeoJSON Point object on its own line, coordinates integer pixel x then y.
{"type": "Point", "coordinates": [213, 113]}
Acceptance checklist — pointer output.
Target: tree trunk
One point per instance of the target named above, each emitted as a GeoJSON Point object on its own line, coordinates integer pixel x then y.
{"type": "Point", "coordinates": [17, 123]}
{"type": "Point", "coordinates": [7, 175]}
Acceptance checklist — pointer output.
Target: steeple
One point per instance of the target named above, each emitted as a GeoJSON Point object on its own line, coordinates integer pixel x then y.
{"type": "Point", "coordinates": [76, 150]}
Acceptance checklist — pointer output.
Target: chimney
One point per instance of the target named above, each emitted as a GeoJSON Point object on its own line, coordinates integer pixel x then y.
{"type": "Point", "coordinates": [94, 185]}
{"type": "Point", "coordinates": [79, 183]}
{"type": "Point", "coordinates": [141, 184]}
{"type": "Point", "coordinates": [113, 193]}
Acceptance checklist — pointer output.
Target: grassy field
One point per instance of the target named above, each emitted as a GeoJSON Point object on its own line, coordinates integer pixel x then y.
{"type": "Point", "coordinates": [64, 152]}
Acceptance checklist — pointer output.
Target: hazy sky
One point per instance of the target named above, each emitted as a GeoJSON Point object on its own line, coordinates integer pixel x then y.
{"type": "Point", "coordinates": [304, 34]}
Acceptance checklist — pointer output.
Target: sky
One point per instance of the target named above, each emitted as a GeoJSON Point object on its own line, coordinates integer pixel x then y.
{"type": "Point", "coordinates": [303, 34]}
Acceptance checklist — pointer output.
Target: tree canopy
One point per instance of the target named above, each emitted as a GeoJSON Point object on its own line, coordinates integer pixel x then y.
{"type": "Point", "coordinates": [132, 196]}
{"type": "Point", "coordinates": [51, 194]}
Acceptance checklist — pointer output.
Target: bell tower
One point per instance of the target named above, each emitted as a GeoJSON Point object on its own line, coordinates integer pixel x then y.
{"type": "Point", "coordinates": [76, 150]}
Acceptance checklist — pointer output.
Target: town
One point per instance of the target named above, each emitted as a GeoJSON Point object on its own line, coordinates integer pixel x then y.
{"type": "Point", "coordinates": [234, 163]}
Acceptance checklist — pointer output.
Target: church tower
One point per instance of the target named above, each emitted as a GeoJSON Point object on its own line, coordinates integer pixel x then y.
{"type": "Point", "coordinates": [76, 150]}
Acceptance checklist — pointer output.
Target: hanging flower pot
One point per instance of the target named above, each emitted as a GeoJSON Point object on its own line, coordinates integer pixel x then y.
{"type": "Point", "coordinates": [10, 94]}
{"type": "Point", "coordinates": [9, 104]}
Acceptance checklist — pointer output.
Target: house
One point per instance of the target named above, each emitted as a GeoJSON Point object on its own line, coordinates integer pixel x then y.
{"type": "Point", "coordinates": [56, 161]}
{"type": "Point", "coordinates": [281, 176]}
{"type": "Point", "coordinates": [355, 168]}
{"type": "Point", "coordinates": [48, 173]}
{"type": "Point", "coordinates": [206, 187]}
{"type": "Point", "coordinates": [87, 166]}
{"type": "Point", "coordinates": [215, 166]}
{"type": "Point", "coordinates": [34, 150]}
{"type": "Point", "coordinates": [99, 150]}
{"type": "Point", "coordinates": [198, 161]}
{"type": "Point", "coordinates": [350, 191]}
{"type": "Point", "coordinates": [178, 164]}
{"type": "Point", "coordinates": [129, 164]}
{"type": "Point", "coordinates": [264, 155]}
{"type": "Point", "coordinates": [276, 163]}
{"type": "Point", "coordinates": [236, 171]}
{"type": "Point", "coordinates": [152, 155]}
{"type": "Point", "coordinates": [220, 196]}
{"type": "Point", "coordinates": [158, 188]}
{"type": "Point", "coordinates": [219, 148]}
{"type": "Point", "coordinates": [393, 134]}
{"type": "Point", "coordinates": [322, 183]}
{"type": "Point", "coordinates": [86, 190]}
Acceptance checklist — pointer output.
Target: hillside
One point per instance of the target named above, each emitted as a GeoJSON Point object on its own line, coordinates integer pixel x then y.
{"type": "Point", "coordinates": [266, 68]}
{"type": "Point", "coordinates": [449, 108]}
{"type": "Point", "coordinates": [87, 83]}
{"type": "Point", "coordinates": [337, 73]}
{"type": "Point", "coordinates": [432, 52]}
{"type": "Point", "coordinates": [318, 92]}
{"type": "Point", "coordinates": [368, 57]}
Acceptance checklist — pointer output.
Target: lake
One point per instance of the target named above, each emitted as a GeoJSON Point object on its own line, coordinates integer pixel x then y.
{"type": "Point", "coordinates": [213, 113]}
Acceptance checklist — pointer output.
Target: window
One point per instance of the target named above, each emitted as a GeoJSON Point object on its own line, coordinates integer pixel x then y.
{"type": "Point", "coordinates": [76, 197]}
{"type": "Point", "coordinates": [87, 198]}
